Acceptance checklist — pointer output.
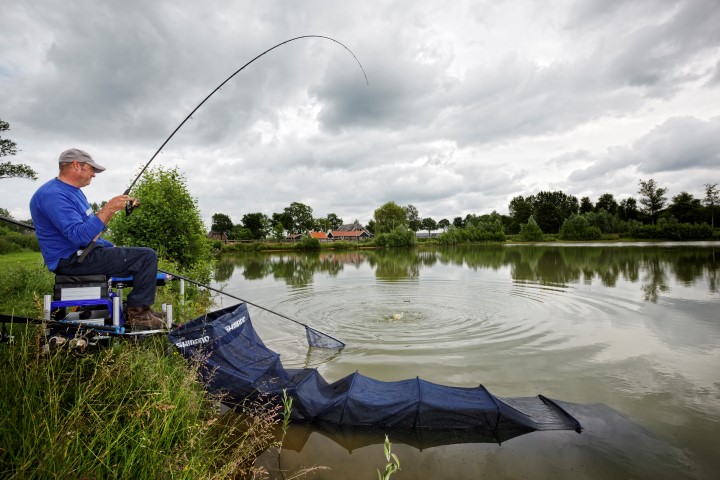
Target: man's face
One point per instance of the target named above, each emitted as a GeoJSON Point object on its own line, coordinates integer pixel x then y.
{"type": "Point", "coordinates": [84, 173]}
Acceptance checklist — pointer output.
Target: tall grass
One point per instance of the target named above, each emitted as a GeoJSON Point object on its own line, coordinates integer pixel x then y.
{"type": "Point", "coordinates": [24, 280]}
{"type": "Point", "coordinates": [127, 411]}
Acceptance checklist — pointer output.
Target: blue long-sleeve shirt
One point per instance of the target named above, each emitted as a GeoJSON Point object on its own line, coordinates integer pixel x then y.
{"type": "Point", "coordinates": [64, 221]}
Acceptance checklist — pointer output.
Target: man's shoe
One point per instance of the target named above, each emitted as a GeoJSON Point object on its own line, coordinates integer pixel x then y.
{"type": "Point", "coordinates": [142, 318]}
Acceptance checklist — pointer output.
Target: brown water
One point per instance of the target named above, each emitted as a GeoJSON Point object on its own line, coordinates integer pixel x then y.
{"type": "Point", "coordinates": [628, 335]}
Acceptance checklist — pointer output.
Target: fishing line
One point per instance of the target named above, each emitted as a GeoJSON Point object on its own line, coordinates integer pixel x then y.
{"type": "Point", "coordinates": [315, 337]}
{"type": "Point", "coordinates": [129, 209]}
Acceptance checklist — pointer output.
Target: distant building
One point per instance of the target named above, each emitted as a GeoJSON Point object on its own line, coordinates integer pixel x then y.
{"type": "Point", "coordinates": [222, 236]}
{"type": "Point", "coordinates": [352, 231]}
{"type": "Point", "coordinates": [322, 236]}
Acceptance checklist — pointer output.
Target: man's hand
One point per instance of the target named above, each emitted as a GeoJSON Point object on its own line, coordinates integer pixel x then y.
{"type": "Point", "coordinates": [114, 205]}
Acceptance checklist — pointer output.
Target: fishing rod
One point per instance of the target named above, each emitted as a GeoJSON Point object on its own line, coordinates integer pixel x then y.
{"type": "Point", "coordinates": [130, 206]}
{"type": "Point", "coordinates": [328, 341]}
{"type": "Point", "coordinates": [315, 337]}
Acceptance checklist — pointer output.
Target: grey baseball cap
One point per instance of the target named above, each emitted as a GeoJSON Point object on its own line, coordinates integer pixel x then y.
{"type": "Point", "coordinates": [75, 154]}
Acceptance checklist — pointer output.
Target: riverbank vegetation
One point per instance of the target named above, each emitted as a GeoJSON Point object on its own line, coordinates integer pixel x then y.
{"type": "Point", "coordinates": [126, 411]}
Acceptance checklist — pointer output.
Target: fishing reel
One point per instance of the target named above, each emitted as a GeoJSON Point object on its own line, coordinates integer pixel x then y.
{"type": "Point", "coordinates": [131, 205]}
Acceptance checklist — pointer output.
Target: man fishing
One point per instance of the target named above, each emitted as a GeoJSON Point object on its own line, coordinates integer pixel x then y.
{"type": "Point", "coordinates": [66, 225]}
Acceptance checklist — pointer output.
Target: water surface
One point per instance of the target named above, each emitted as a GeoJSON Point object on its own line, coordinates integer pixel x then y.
{"type": "Point", "coordinates": [628, 335]}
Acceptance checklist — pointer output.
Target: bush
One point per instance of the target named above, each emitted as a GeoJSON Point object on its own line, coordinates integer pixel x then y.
{"type": "Point", "coordinates": [475, 232]}
{"type": "Point", "coordinates": [576, 227]}
{"type": "Point", "coordinates": [531, 231]}
{"type": "Point", "coordinates": [308, 243]}
{"type": "Point", "coordinates": [12, 241]}
{"type": "Point", "coordinates": [398, 237]}
{"type": "Point", "coordinates": [168, 220]}
{"type": "Point", "coordinates": [670, 230]}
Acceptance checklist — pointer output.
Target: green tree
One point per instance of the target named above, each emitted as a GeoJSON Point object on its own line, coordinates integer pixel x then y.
{"type": "Point", "coordinates": [531, 231]}
{"type": "Point", "coordinates": [388, 217]}
{"type": "Point", "coordinates": [686, 208]}
{"type": "Point", "coordinates": [458, 222]}
{"type": "Point", "coordinates": [9, 169]}
{"type": "Point", "coordinates": [299, 218]}
{"type": "Point", "coordinates": [428, 224]}
{"type": "Point", "coordinates": [550, 209]}
{"type": "Point", "coordinates": [257, 223]}
{"type": "Point", "coordinates": [221, 223]}
{"type": "Point", "coordinates": [444, 224]}
{"type": "Point", "coordinates": [586, 205]}
{"type": "Point", "coordinates": [576, 227]}
{"type": "Point", "coordinates": [712, 199]}
{"type": "Point", "coordinates": [606, 202]}
{"type": "Point", "coordinates": [413, 218]}
{"type": "Point", "coordinates": [652, 198]}
{"type": "Point", "coordinates": [241, 233]}
{"type": "Point", "coordinates": [520, 210]}
{"type": "Point", "coordinates": [628, 209]}
{"type": "Point", "coordinates": [334, 222]}
{"type": "Point", "coordinates": [167, 220]}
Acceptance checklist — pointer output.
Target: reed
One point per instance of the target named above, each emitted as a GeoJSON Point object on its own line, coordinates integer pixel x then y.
{"type": "Point", "coordinates": [127, 411]}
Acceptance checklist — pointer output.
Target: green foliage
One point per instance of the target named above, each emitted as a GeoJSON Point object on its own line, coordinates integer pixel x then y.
{"type": "Point", "coordinates": [586, 205]}
{"type": "Point", "coordinates": [652, 198]}
{"type": "Point", "coordinates": [429, 224]}
{"type": "Point", "coordinates": [258, 224]}
{"type": "Point", "coordinates": [393, 463]}
{"type": "Point", "coordinates": [221, 223]}
{"type": "Point", "coordinates": [397, 237]}
{"type": "Point", "coordinates": [8, 169]}
{"type": "Point", "coordinates": [606, 202]}
{"type": "Point", "coordinates": [12, 241]}
{"type": "Point", "coordinates": [686, 208]}
{"type": "Point", "coordinates": [474, 232]}
{"type": "Point", "coordinates": [578, 228]}
{"type": "Point", "coordinates": [711, 200]}
{"type": "Point", "coordinates": [672, 230]}
{"type": "Point", "coordinates": [297, 218]}
{"type": "Point", "coordinates": [628, 209]}
{"type": "Point", "coordinates": [389, 217]}
{"type": "Point", "coordinates": [550, 209]}
{"type": "Point", "coordinates": [24, 280]}
{"type": "Point", "coordinates": [123, 412]}
{"type": "Point", "coordinates": [308, 243]}
{"type": "Point", "coordinates": [413, 218]}
{"type": "Point", "coordinates": [168, 220]}
{"type": "Point", "coordinates": [530, 231]}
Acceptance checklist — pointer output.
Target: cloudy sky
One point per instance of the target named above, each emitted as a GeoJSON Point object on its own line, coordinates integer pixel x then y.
{"type": "Point", "coordinates": [469, 103]}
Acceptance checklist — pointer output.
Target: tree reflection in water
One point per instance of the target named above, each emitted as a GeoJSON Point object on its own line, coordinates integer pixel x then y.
{"type": "Point", "coordinates": [653, 266]}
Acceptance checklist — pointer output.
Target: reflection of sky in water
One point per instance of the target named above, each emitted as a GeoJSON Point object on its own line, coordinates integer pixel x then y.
{"type": "Point", "coordinates": [588, 325]}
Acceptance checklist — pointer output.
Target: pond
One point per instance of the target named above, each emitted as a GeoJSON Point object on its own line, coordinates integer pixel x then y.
{"type": "Point", "coordinates": [627, 334]}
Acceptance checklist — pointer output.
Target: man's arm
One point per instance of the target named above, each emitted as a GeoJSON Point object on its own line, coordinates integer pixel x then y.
{"type": "Point", "coordinates": [113, 206]}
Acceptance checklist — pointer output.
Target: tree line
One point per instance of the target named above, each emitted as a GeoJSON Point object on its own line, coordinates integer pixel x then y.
{"type": "Point", "coordinates": [547, 212]}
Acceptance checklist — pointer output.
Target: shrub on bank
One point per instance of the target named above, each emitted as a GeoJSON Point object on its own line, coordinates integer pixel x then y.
{"type": "Point", "coordinates": [672, 231]}
{"type": "Point", "coordinates": [398, 237]}
{"type": "Point", "coordinates": [577, 227]}
{"type": "Point", "coordinates": [12, 241]}
{"type": "Point", "coordinates": [492, 231]}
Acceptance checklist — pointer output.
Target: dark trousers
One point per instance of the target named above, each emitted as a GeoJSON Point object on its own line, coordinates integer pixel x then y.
{"type": "Point", "coordinates": [137, 262]}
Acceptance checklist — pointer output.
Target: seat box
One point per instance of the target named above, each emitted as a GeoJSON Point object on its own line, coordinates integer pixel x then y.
{"type": "Point", "coordinates": [75, 287]}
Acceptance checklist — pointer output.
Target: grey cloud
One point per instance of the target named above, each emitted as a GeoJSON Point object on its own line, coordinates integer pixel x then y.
{"type": "Point", "coordinates": [679, 143]}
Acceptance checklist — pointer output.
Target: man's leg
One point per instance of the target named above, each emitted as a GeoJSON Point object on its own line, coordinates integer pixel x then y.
{"type": "Point", "coordinates": [137, 262]}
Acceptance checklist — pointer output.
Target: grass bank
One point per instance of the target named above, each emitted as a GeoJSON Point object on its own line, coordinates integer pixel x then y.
{"type": "Point", "coordinates": [126, 411]}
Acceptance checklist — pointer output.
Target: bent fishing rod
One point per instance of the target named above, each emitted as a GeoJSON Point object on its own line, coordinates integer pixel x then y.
{"type": "Point", "coordinates": [130, 205]}
{"type": "Point", "coordinates": [333, 342]}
